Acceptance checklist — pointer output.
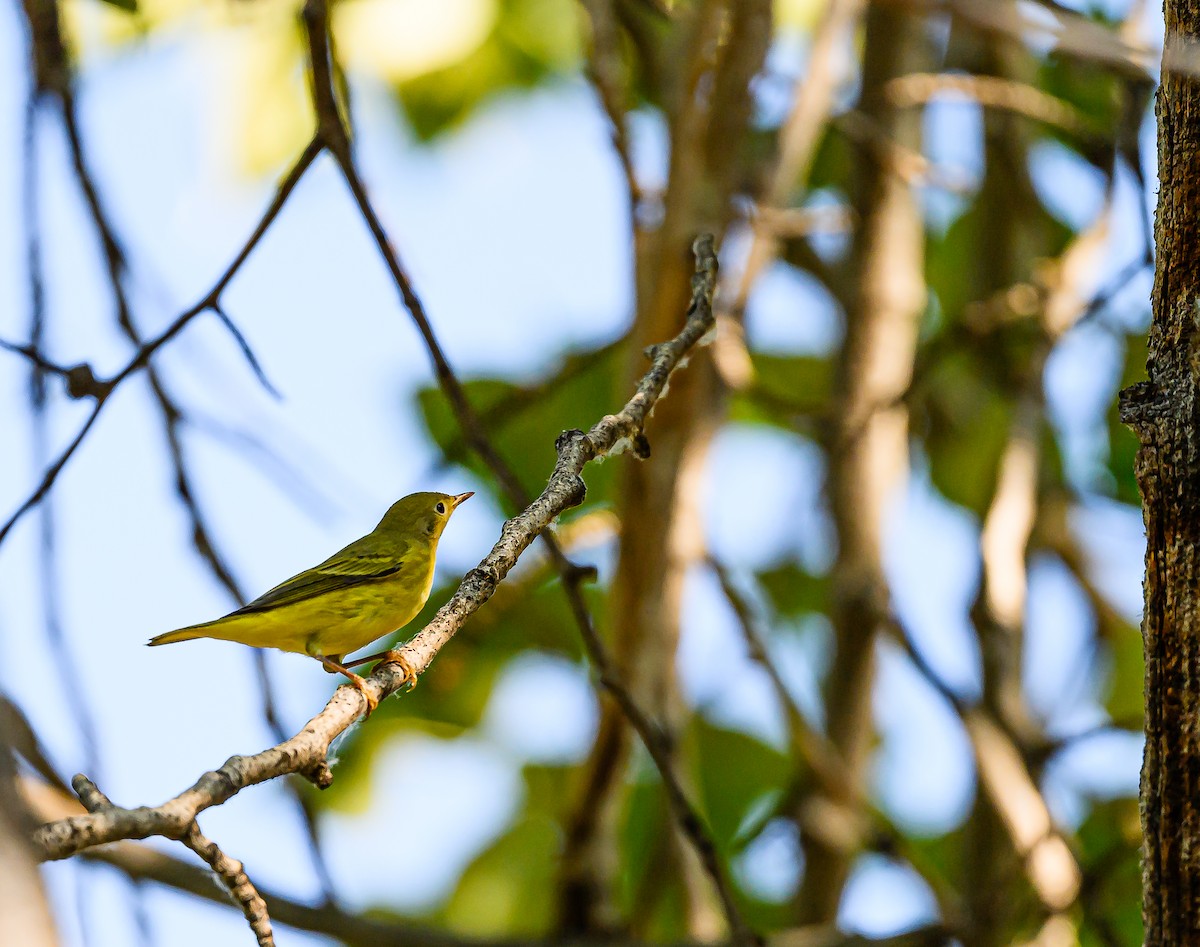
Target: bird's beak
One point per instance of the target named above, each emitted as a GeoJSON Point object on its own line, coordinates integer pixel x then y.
{"type": "Point", "coordinates": [462, 497]}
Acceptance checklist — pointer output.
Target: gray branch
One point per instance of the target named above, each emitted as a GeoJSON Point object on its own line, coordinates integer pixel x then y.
{"type": "Point", "coordinates": [305, 753]}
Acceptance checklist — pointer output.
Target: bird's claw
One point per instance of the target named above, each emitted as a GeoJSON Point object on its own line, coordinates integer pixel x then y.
{"type": "Point", "coordinates": [397, 658]}
{"type": "Point", "coordinates": [371, 699]}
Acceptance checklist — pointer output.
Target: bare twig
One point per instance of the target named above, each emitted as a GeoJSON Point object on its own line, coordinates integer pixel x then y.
{"type": "Point", "coordinates": [234, 878]}
{"type": "Point", "coordinates": [35, 357]}
{"type": "Point", "coordinates": [228, 871]}
{"type": "Point", "coordinates": [999, 92]}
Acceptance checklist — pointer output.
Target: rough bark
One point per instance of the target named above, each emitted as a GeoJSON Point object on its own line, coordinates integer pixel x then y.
{"type": "Point", "coordinates": [1165, 413]}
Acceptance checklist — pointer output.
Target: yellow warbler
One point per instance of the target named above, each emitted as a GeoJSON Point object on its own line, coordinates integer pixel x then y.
{"type": "Point", "coordinates": [374, 586]}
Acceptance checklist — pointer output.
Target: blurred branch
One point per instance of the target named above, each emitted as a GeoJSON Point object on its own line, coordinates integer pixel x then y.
{"type": "Point", "coordinates": [808, 746]}
{"type": "Point", "coordinates": [847, 816]}
{"type": "Point", "coordinates": [868, 443]}
{"type": "Point", "coordinates": [1010, 787]}
{"type": "Point", "coordinates": [1070, 32]}
{"type": "Point", "coordinates": [103, 389]}
{"type": "Point", "coordinates": [919, 88]}
{"type": "Point", "coordinates": [605, 70]}
{"type": "Point", "coordinates": [25, 915]}
{"type": "Point", "coordinates": [62, 654]}
{"type": "Point", "coordinates": [798, 139]}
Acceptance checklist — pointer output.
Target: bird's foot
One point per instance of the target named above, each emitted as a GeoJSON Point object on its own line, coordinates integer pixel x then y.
{"type": "Point", "coordinates": [398, 658]}
{"type": "Point", "coordinates": [372, 701]}
{"type": "Point", "coordinates": [332, 665]}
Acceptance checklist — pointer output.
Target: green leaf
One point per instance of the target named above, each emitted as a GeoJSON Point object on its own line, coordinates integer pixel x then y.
{"type": "Point", "coordinates": [1109, 845]}
{"type": "Point", "coordinates": [793, 591]}
{"type": "Point", "coordinates": [531, 41]}
{"type": "Point", "coordinates": [524, 420]}
{"type": "Point", "coordinates": [786, 388]}
{"type": "Point", "coordinates": [1124, 699]}
{"type": "Point", "coordinates": [966, 426]}
{"type": "Point", "coordinates": [734, 772]}
{"type": "Point", "coordinates": [651, 892]}
{"type": "Point", "coordinates": [1096, 92]}
{"type": "Point", "coordinates": [129, 6]}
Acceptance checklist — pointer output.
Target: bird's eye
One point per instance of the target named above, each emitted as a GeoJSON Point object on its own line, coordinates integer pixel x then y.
{"type": "Point", "coordinates": [441, 508]}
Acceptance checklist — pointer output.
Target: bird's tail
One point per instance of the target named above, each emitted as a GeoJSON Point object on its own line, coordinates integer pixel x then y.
{"type": "Point", "coordinates": [183, 634]}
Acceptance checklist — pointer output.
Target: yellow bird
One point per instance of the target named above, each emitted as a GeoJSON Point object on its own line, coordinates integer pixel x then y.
{"type": "Point", "coordinates": [371, 588]}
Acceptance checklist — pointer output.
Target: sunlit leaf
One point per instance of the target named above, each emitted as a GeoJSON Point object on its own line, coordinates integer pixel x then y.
{"type": "Point", "coordinates": [529, 41]}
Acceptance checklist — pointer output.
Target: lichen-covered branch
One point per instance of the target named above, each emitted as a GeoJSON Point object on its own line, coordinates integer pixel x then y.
{"type": "Point", "coordinates": [305, 753]}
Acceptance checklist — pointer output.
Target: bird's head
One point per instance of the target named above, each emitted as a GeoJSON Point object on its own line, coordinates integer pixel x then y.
{"type": "Point", "coordinates": [420, 515]}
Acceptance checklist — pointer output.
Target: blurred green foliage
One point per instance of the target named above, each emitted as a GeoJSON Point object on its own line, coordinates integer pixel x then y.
{"type": "Point", "coordinates": [531, 41]}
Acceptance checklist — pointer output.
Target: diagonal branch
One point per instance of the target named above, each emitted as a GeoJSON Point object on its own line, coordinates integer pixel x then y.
{"type": "Point", "coordinates": [332, 130]}
{"type": "Point", "coordinates": [305, 753]}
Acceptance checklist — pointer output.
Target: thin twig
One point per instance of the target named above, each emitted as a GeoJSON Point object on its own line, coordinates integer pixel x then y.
{"type": "Point", "coordinates": [35, 357]}
{"type": "Point", "coordinates": [233, 876]}
{"type": "Point", "coordinates": [143, 355]}
{"type": "Point", "coordinates": [228, 871]}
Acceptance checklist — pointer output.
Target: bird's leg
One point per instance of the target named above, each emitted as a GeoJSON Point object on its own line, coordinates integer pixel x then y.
{"type": "Point", "coordinates": [335, 659]}
{"type": "Point", "coordinates": [378, 656]}
{"type": "Point", "coordinates": [391, 656]}
{"type": "Point", "coordinates": [333, 667]}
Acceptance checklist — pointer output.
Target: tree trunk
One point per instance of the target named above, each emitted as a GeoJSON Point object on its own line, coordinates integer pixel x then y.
{"type": "Point", "coordinates": [1165, 414]}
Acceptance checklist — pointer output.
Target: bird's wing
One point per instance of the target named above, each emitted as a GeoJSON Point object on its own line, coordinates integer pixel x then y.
{"type": "Point", "coordinates": [358, 563]}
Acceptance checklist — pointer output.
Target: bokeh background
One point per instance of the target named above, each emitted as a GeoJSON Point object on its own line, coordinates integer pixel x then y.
{"type": "Point", "coordinates": [1022, 156]}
